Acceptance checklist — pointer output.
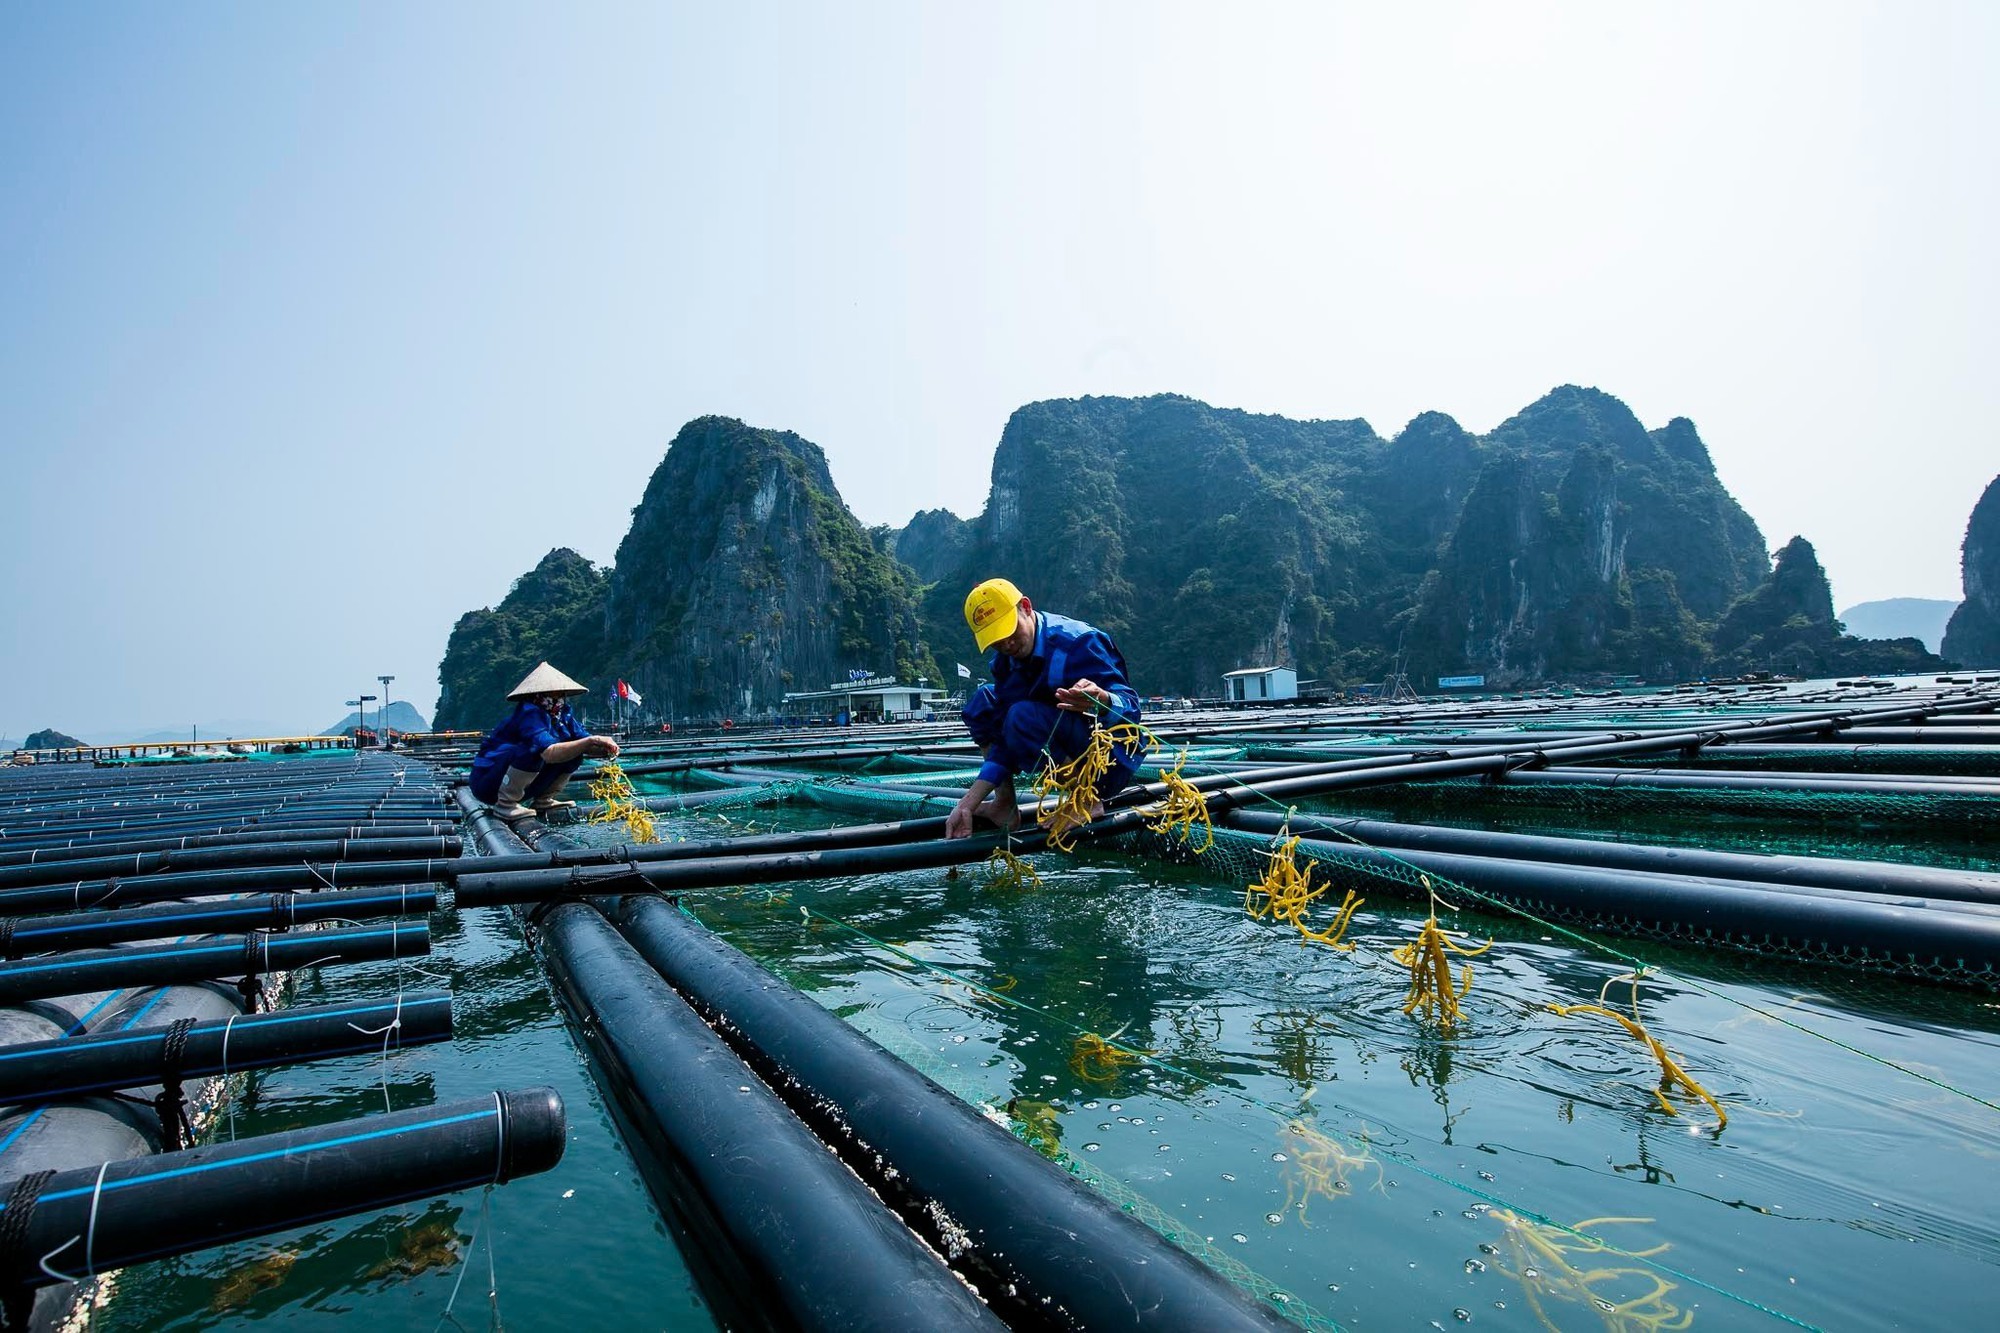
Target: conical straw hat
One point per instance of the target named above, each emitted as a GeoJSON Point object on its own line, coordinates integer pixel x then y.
{"type": "Point", "coordinates": [545, 679]}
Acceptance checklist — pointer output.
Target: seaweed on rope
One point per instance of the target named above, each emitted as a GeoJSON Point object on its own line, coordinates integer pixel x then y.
{"type": "Point", "coordinates": [1288, 894]}
{"type": "Point", "coordinates": [1316, 1164]}
{"type": "Point", "coordinates": [1428, 957]}
{"type": "Point", "coordinates": [1671, 1072]}
{"type": "Point", "coordinates": [1074, 784]}
{"type": "Point", "coordinates": [1004, 870]}
{"type": "Point", "coordinates": [1182, 808]}
{"type": "Point", "coordinates": [1564, 1264]}
{"type": "Point", "coordinates": [1096, 1059]}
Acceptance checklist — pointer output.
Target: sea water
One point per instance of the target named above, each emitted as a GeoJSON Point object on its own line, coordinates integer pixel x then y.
{"type": "Point", "coordinates": [1279, 1115]}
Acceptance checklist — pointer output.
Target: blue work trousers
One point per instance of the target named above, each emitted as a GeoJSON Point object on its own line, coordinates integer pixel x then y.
{"type": "Point", "coordinates": [1017, 739]}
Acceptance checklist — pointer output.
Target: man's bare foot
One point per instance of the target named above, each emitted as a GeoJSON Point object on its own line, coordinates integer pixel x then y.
{"type": "Point", "coordinates": [1062, 820]}
{"type": "Point", "coordinates": [999, 813]}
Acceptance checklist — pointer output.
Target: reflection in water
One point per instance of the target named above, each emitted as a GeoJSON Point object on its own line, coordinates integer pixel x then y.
{"type": "Point", "coordinates": [1318, 1165]}
{"type": "Point", "coordinates": [1297, 1039]}
{"type": "Point", "coordinates": [1561, 1266]}
{"type": "Point", "coordinates": [241, 1284]}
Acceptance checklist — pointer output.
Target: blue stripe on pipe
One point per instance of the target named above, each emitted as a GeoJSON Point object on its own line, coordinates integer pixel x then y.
{"type": "Point", "coordinates": [278, 1018]}
{"type": "Point", "coordinates": [305, 1219]}
{"type": "Point", "coordinates": [152, 1177]}
{"type": "Point", "coordinates": [196, 951]}
{"type": "Point", "coordinates": [169, 921]}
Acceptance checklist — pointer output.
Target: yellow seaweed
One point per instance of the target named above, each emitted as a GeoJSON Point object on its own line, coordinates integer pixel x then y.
{"type": "Point", "coordinates": [1095, 1060]}
{"type": "Point", "coordinates": [1288, 894]}
{"type": "Point", "coordinates": [1670, 1071]}
{"type": "Point", "coordinates": [1074, 784]}
{"type": "Point", "coordinates": [1183, 808]}
{"type": "Point", "coordinates": [614, 789]}
{"type": "Point", "coordinates": [1428, 959]}
{"type": "Point", "coordinates": [1318, 1165]}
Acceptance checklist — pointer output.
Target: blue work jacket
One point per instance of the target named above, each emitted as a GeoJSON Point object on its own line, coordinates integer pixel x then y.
{"type": "Point", "coordinates": [1066, 651]}
{"type": "Point", "coordinates": [518, 743]}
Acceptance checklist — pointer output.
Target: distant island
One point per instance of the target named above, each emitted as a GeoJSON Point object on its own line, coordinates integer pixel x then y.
{"type": "Point", "coordinates": [1568, 545]}
{"type": "Point", "coordinates": [398, 716]}
{"type": "Point", "coordinates": [50, 739]}
{"type": "Point", "coordinates": [1922, 618]}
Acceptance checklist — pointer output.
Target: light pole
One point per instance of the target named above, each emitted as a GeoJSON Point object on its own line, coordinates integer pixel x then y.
{"type": "Point", "coordinates": [361, 723]}
{"type": "Point", "coordinates": [355, 703]}
{"type": "Point", "coordinates": [382, 713]}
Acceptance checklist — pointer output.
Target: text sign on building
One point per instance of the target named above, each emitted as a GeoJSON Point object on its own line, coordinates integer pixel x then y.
{"type": "Point", "coordinates": [1460, 682]}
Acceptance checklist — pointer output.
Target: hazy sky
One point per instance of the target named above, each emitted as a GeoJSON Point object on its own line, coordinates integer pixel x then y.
{"type": "Point", "coordinates": [320, 324]}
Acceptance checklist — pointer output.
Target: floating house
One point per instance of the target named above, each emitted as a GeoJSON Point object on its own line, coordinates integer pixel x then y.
{"type": "Point", "coordinates": [868, 699]}
{"type": "Point", "coordinates": [1256, 684]}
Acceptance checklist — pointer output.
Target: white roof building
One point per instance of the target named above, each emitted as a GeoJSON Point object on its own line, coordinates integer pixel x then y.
{"type": "Point", "coordinates": [1255, 684]}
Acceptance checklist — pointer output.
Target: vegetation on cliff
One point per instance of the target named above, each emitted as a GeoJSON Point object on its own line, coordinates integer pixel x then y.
{"type": "Point", "coordinates": [1571, 539]}
{"type": "Point", "coordinates": [743, 576]}
{"type": "Point", "coordinates": [1787, 625]}
{"type": "Point", "coordinates": [1973, 636]}
{"type": "Point", "coordinates": [554, 612]}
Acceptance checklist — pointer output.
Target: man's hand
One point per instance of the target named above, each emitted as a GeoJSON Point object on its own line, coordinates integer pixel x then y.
{"type": "Point", "coordinates": [958, 824]}
{"type": "Point", "coordinates": [605, 747]}
{"type": "Point", "coordinates": [1086, 696]}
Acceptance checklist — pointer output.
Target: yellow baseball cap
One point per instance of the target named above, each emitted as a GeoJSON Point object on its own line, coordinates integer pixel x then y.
{"type": "Point", "coordinates": [989, 610]}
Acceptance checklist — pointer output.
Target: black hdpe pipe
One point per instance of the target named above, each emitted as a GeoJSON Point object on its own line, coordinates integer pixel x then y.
{"type": "Point", "coordinates": [1045, 1250]}
{"type": "Point", "coordinates": [524, 886]}
{"type": "Point", "coordinates": [270, 837]}
{"type": "Point", "coordinates": [222, 858]}
{"type": "Point", "coordinates": [1880, 784]}
{"type": "Point", "coordinates": [798, 1231]}
{"type": "Point", "coordinates": [20, 936]}
{"type": "Point", "coordinates": [206, 960]}
{"type": "Point", "coordinates": [1879, 877]}
{"type": "Point", "coordinates": [1941, 940]}
{"type": "Point", "coordinates": [59, 842]}
{"type": "Point", "coordinates": [44, 1071]}
{"type": "Point", "coordinates": [1413, 763]}
{"type": "Point", "coordinates": [195, 883]}
{"type": "Point", "coordinates": [88, 1221]}
{"type": "Point", "coordinates": [853, 835]}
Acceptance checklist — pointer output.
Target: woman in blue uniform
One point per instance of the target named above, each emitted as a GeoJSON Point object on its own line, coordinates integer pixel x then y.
{"type": "Point", "coordinates": [524, 763]}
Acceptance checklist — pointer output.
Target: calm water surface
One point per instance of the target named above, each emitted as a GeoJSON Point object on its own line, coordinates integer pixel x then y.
{"type": "Point", "coordinates": [1289, 1121]}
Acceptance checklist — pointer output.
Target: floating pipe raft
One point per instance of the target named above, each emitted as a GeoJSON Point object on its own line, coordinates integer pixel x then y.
{"type": "Point", "coordinates": [221, 858]}
{"type": "Point", "coordinates": [349, 833]}
{"type": "Point", "coordinates": [1047, 1251]}
{"type": "Point", "coordinates": [1928, 938]}
{"type": "Point", "coordinates": [1879, 877]}
{"type": "Point", "coordinates": [67, 1225]}
{"type": "Point", "coordinates": [804, 1244]}
{"type": "Point", "coordinates": [195, 883]}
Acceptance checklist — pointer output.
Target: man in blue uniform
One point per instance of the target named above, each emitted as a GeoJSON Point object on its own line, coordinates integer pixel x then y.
{"type": "Point", "coordinates": [522, 766]}
{"type": "Point", "coordinates": [1051, 676]}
